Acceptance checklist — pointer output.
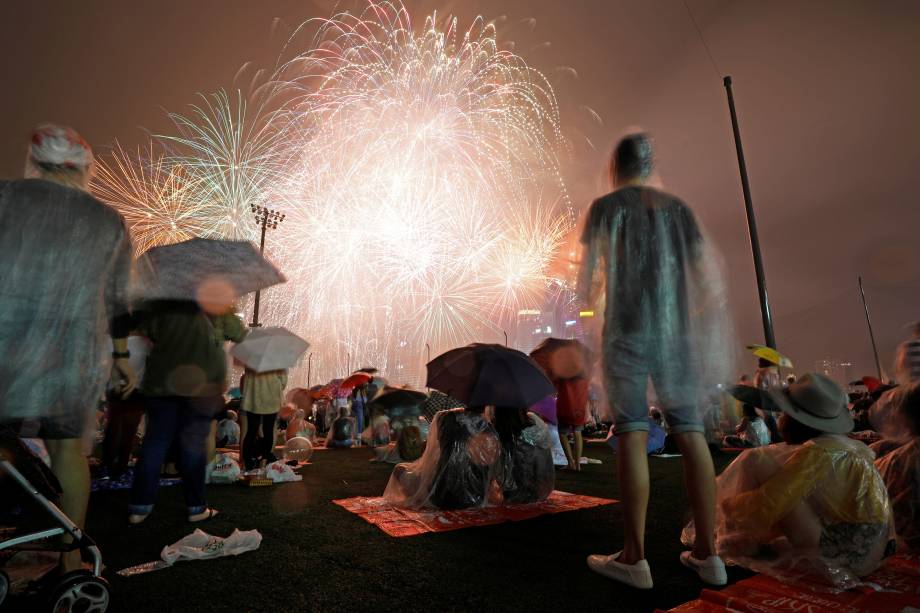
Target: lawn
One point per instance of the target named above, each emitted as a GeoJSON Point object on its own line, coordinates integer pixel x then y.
{"type": "Point", "coordinates": [315, 556]}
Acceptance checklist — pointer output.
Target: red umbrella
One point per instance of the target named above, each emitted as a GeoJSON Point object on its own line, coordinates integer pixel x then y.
{"type": "Point", "coordinates": [355, 380]}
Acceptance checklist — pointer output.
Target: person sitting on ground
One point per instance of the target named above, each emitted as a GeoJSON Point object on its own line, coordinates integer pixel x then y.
{"type": "Point", "coordinates": [299, 426]}
{"type": "Point", "coordinates": [546, 410]}
{"type": "Point", "coordinates": [342, 432]}
{"type": "Point", "coordinates": [751, 432]}
{"type": "Point", "coordinates": [817, 499]}
{"type": "Point", "coordinates": [458, 468]}
{"type": "Point", "coordinates": [900, 469]}
{"type": "Point", "coordinates": [527, 474]}
{"type": "Point", "coordinates": [228, 430]}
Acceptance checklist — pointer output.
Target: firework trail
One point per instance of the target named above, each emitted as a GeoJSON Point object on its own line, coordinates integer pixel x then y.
{"type": "Point", "coordinates": [419, 171]}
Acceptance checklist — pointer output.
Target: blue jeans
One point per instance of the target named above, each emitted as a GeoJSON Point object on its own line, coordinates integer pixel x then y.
{"type": "Point", "coordinates": [358, 411]}
{"type": "Point", "coordinates": [186, 420]}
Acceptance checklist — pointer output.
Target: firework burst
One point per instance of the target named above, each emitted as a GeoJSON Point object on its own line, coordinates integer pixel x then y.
{"type": "Point", "coordinates": [419, 171]}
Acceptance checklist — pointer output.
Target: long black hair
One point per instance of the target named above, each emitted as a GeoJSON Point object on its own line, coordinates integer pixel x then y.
{"type": "Point", "coordinates": [509, 422]}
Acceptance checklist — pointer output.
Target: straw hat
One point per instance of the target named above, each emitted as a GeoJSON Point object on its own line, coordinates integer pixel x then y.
{"type": "Point", "coordinates": [816, 401]}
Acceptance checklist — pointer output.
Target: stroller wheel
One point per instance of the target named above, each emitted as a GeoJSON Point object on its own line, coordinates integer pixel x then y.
{"type": "Point", "coordinates": [4, 587]}
{"type": "Point", "coordinates": [80, 592]}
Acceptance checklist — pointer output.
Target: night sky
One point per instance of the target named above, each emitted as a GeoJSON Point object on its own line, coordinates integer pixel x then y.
{"type": "Point", "coordinates": [827, 95]}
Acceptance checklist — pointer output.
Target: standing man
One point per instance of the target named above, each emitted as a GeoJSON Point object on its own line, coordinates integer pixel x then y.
{"type": "Point", "coordinates": [645, 268]}
{"type": "Point", "coordinates": [63, 289]}
{"type": "Point", "coordinates": [907, 363]}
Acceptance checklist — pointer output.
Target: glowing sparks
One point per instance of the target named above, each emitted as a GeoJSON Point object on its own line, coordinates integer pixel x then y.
{"type": "Point", "coordinates": [419, 172]}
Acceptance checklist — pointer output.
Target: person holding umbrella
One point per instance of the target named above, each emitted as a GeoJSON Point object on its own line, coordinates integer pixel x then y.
{"type": "Point", "coordinates": [648, 269]}
{"type": "Point", "coordinates": [189, 290]}
{"type": "Point", "coordinates": [63, 289]}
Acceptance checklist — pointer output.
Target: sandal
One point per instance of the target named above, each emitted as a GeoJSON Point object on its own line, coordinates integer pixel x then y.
{"type": "Point", "coordinates": [203, 516]}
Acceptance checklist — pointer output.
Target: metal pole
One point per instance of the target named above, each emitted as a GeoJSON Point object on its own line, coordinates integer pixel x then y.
{"type": "Point", "coordinates": [255, 311]}
{"type": "Point", "coordinates": [506, 337]}
{"type": "Point", "coordinates": [309, 368]}
{"type": "Point", "coordinates": [878, 365]}
{"type": "Point", "coordinates": [769, 337]}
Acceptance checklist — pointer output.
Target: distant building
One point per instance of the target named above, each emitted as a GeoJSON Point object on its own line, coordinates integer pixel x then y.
{"type": "Point", "coordinates": [841, 371]}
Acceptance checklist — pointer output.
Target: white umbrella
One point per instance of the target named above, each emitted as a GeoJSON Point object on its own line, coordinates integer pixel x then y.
{"type": "Point", "coordinates": [266, 349]}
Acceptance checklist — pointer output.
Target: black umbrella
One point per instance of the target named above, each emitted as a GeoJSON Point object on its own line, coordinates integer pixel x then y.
{"type": "Point", "coordinates": [482, 374]}
{"type": "Point", "coordinates": [396, 402]}
{"type": "Point", "coordinates": [438, 401]}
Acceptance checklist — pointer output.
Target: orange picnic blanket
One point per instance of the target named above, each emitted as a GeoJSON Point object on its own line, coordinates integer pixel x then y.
{"type": "Point", "coordinates": [892, 589]}
{"type": "Point", "coordinates": [396, 521]}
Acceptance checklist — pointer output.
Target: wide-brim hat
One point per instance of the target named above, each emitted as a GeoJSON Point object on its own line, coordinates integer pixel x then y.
{"type": "Point", "coordinates": [815, 401]}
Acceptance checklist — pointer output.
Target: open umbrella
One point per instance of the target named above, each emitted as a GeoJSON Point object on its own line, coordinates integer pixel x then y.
{"type": "Point", "coordinates": [771, 355]}
{"type": "Point", "coordinates": [200, 268]}
{"type": "Point", "coordinates": [484, 374]}
{"type": "Point", "coordinates": [266, 349]}
{"type": "Point", "coordinates": [399, 401]}
{"type": "Point", "coordinates": [562, 358]}
{"type": "Point", "coordinates": [355, 380]}
{"type": "Point", "coordinates": [439, 401]}
{"type": "Point", "coordinates": [321, 392]}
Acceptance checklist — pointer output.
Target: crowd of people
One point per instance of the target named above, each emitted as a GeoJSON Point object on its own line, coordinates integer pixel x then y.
{"type": "Point", "coordinates": [803, 487]}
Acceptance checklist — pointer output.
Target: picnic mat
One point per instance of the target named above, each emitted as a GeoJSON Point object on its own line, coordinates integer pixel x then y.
{"type": "Point", "coordinates": [898, 583]}
{"type": "Point", "coordinates": [396, 521]}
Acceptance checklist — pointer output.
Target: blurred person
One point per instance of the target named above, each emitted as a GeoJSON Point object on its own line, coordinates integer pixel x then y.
{"type": "Point", "coordinates": [124, 415]}
{"type": "Point", "coordinates": [63, 288]}
{"type": "Point", "coordinates": [898, 462]}
{"type": "Point", "coordinates": [184, 383]}
{"type": "Point", "coordinates": [228, 429]}
{"type": "Point", "coordinates": [358, 402]}
{"type": "Point", "coordinates": [767, 377]}
{"type": "Point", "coordinates": [648, 269]}
{"type": "Point", "coordinates": [907, 360]}
{"type": "Point", "coordinates": [819, 493]}
{"type": "Point", "coordinates": [342, 432]}
{"type": "Point", "coordinates": [751, 432]}
{"type": "Point", "coordinates": [572, 413]}
{"type": "Point", "coordinates": [263, 394]}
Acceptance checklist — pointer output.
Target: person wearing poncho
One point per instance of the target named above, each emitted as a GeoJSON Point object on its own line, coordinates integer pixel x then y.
{"type": "Point", "coordinates": [63, 290]}
{"type": "Point", "coordinates": [648, 269]}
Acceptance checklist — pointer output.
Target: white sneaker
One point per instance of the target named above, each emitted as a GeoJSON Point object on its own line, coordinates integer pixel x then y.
{"type": "Point", "coordinates": [637, 575]}
{"type": "Point", "coordinates": [711, 570]}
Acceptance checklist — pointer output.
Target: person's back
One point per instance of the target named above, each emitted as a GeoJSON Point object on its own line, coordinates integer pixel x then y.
{"type": "Point", "coordinates": [66, 264]}
{"type": "Point", "coordinates": [528, 474]}
{"type": "Point", "coordinates": [908, 359]}
{"type": "Point", "coordinates": [342, 429]}
{"type": "Point", "coordinates": [756, 432]}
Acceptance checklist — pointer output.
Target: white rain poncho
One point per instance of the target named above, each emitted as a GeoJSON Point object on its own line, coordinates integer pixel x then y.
{"type": "Point", "coordinates": [658, 282]}
{"type": "Point", "coordinates": [527, 471]}
{"type": "Point", "coordinates": [458, 469]}
{"type": "Point", "coordinates": [847, 513]}
{"type": "Point", "coordinates": [65, 275]}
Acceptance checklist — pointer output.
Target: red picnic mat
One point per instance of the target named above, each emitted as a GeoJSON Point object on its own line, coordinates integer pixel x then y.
{"type": "Point", "coordinates": [396, 521]}
{"type": "Point", "coordinates": [898, 583]}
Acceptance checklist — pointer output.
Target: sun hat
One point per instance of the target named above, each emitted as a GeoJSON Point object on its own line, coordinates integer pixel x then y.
{"type": "Point", "coordinates": [815, 401]}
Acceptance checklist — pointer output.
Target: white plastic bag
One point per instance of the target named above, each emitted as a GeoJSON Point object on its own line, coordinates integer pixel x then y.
{"type": "Point", "coordinates": [279, 472]}
{"type": "Point", "coordinates": [200, 545]}
{"type": "Point", "coordinates": [222, 469]}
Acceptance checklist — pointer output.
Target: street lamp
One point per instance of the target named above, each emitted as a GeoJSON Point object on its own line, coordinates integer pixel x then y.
{"type": "Point", "coordinates": [309, 368]}
{"type": "Point", "coordinates": [267, 218]}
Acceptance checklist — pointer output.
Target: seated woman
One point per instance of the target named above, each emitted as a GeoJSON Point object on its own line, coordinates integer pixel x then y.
{"type": "Point", "coordinates": [458, 468]}
{"type": "Point", "coordinates": [299, 426]}
{"type": "Point", "coordinates": [546, 410]}
{"type": "Point", "coordinates": [900, 468]}
{"type": "Point", "coordinates": [751, 432]}
{"type": "Point", "coordinates": [527, 474]}
{"type": "Point", "coordinates": [817, 502]}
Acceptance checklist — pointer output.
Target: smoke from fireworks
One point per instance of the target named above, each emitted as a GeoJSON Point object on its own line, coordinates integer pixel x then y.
{"type": "Point", "coordinates": [419, 171]}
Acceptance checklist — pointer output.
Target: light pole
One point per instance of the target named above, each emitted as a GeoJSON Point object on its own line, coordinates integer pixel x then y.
{"type": "Point", "coordinates": [267, 218]}
{"type": "Point", "coordinates": [309, 368]}
{"type": "Point", "coordinates": [506, 337]}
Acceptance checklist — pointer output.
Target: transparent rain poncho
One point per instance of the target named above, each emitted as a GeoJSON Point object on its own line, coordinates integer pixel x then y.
{"type": "Point", "coordinates": [65, 275]}
{"type": "Point", "coordinates": [458, 469]}
{"type": "Point", "coordinates": [527, 470]}
{"type": "Point", "coordinates": [900, 470]}
{"type": "Point", "coordinates": [822, 516]}
{"type": "Point", "coordinates": [656, 282]}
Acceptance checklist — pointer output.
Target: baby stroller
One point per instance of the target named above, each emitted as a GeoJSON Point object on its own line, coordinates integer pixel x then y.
{"type": "Point", "coordinates": [28, 491]}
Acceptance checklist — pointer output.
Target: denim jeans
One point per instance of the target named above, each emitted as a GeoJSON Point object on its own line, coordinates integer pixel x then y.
{"type": "Point", "coordinates": [186, 420]}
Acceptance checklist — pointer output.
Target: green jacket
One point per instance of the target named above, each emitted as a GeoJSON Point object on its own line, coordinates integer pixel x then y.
{"type": "Point", "coordinates": [188, 357]}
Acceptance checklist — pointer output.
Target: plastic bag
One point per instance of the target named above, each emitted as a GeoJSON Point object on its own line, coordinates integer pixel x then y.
{"type": "Point", "coordinates": [200, 545]}
{"type": "Point", "coordinates": [222, 469]}
{"type": "Point", "coordinates": [559, 458]}
{"type": "Point", "coordinates": [900, 469]}
{"type": "Point", "coordinates": [527, 471]}
{"type": "Point", "coordinates": [279, 472]}
{"type": "Point", "coordinates": [840, 524]}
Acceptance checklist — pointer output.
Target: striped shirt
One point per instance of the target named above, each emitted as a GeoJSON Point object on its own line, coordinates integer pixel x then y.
{"type": "Point", "coordinates": [909, 362]}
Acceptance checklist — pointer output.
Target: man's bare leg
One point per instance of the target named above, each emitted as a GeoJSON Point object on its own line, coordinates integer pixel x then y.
{"type": "Point", "coordinates": [632, 472]}
{"type": "Point", "coordinates": [71, 468]}
{"type": "Point", "coordinates": [579, 447]}
{"type": "Point", "coordinates": [700, 483]}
